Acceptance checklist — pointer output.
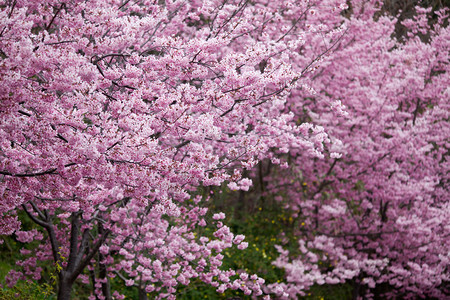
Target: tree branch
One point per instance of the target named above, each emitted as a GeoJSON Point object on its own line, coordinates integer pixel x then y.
{"type": "Point", "coordinates": [51, 233]}
{"type": "Point", "coordinates": [38, 211]}
{"type": "Point", "coordinates": [74, 232]}
{"type": "Point", "coordinates": [54, 16]}
{"type": "Point", "coordinates": [50, 171]}
{"type": "Point", "coordinates": [47, 172]}
{"type": "Point", "coordinates": [33, 218]}
{"type": "Point", "coordinates": [80, 267]}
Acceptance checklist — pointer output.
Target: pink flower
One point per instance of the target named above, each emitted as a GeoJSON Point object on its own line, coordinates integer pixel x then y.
{"type": "Point", "coordinates": [243, 246]}
{"type": "Point", "coordinates": [219, 216]}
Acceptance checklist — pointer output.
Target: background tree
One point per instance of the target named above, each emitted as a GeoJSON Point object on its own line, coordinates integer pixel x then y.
{"type": "Point", "coordinates": [378, 214]}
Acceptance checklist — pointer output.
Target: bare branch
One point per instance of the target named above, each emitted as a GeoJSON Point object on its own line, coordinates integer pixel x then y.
{"type": "Point", "coordinates": [50, 171]}
{"type": "Point", "coordinates": [51, 233]}
{"type": "Point", "coordinates": [54, 16]}
{"type": "Point", "coordinates": [80, 267]}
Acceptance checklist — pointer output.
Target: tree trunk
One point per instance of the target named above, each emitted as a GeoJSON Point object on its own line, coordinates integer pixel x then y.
{"type": "Point", "coordinates": [142, 294]}
{"type": "Point", "coordinates": [106, 286]}
{"type": "Point", "coordinates": [64, 288]}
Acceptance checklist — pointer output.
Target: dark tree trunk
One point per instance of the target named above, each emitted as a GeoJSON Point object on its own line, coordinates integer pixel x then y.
{"type": "Point", "coordinates": [356, 289]}
{"type": "Point", "coordinates": [142, 294]}
{"type": "Point", "coordinates": [64, 288]}
{"type": "Point", "coordinates": [106, 286]}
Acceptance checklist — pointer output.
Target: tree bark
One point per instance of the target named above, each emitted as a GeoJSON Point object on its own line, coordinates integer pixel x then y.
{"type": "Point", "coordinates": [64, 288]}
{"type": "Point", "coordinates": [106, 286]}
{"type": "Point", "coordinates": [142, 294]}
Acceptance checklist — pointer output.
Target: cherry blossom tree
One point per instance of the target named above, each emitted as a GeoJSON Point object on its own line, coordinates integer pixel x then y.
{"type": "Point", "coordinates": [378, 215]}
{"type": "Point", "coordinates": [115, 113]}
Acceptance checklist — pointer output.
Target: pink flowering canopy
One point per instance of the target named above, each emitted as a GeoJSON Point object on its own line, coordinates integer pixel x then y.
{"type": "Point", "coordinates": [378, 213]}
{"type": "Point", "coordinates": [114, 114]}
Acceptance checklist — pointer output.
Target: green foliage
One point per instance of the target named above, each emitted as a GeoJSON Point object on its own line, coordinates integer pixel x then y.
{"type": "Point", "coordinates": [200, 290]}
{"type": "Point", "coordinates": [330, 292]}
{"type": "Point", "coordinates": [10, 254]}
{"type": "Point", "coordinates": [28, 290]}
